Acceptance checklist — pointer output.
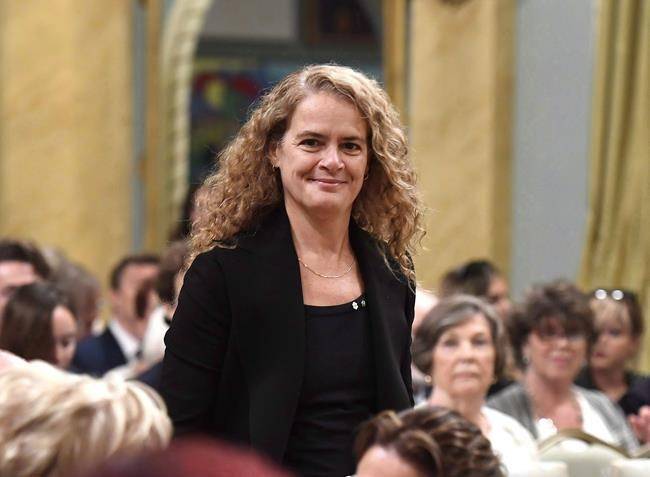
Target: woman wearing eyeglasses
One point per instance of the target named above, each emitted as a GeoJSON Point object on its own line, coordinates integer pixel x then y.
{"type": "Point", "coordinates": [552, 334]}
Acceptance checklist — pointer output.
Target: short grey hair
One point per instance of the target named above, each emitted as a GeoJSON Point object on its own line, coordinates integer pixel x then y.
{"type": "Point", "coordinates": [449, 313]}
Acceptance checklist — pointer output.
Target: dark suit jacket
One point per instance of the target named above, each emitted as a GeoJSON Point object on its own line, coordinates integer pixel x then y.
{"type": "Point", "coordinates": [97, 355]}
{"type": "Point", "coordinates": [235, 353]}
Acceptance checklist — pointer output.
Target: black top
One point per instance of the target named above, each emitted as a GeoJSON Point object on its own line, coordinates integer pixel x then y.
{"type": "Point", "coordinates": [631, 401]}
{"type": "Point", "coordinates": [338, 390]}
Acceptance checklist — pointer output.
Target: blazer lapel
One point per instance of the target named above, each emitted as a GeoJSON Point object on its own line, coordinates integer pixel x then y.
{"type": "Point", "coordinates": [272, 336]}
{"type": "Point", "coordinates": [385, 297]}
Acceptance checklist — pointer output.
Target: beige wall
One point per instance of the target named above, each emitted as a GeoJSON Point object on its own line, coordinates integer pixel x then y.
{"type": "Point", "coordinates": [460, 84]}
{"type": "Point", "coordinates": [65, 115]}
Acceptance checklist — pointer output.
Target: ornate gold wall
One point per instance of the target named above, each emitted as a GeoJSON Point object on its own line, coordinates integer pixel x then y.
{"type": "Point", "coordinates": [65, 116]}
{"type": "Point", "coordinates": [460, 85]}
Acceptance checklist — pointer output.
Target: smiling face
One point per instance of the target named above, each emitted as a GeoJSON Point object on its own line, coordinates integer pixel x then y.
{"type": "Point", "coordinates": [322, 156]}
{"type": "Point", "coordinates": [463, 359]}
{"type": "Point", "coordinates": [556, 355]}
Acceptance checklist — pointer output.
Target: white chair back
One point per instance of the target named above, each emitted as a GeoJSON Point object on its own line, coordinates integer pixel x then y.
{"type": "Point", "coordinates": [584, 455]}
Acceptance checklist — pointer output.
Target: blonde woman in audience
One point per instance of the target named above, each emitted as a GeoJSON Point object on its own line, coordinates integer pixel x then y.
{"type": "Point", "coordinates": [53, 423]}
{"type": "Point", "coordinates": [619, 328]}
{"type": "Point", "coordinates": [425, 442]}
{"type": "Point", "coordinates": [460, 343]}
{"type": "Point", "coordinates": [552, 334]}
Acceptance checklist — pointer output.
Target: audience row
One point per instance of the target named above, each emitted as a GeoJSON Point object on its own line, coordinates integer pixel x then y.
{"type": "Point", "coordinates": [494, 378]}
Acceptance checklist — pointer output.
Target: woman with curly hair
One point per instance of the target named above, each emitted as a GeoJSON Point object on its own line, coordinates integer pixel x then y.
{"type": "Point", "coordinates": [293, 325]}
{"type": "Point", "coordinates": [424, 442]}
{"type": "Point", "coordinates": [552, 334]}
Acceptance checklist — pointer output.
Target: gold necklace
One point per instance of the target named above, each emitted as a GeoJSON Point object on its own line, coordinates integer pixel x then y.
{"type": "Point", "coordinates": [323, 275]}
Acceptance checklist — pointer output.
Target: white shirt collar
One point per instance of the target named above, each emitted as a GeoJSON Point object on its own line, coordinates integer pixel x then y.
{"type": "Point", "coordinates": [128, 343]}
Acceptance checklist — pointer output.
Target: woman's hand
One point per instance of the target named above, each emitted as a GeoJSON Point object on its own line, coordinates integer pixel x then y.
{"type": "Point", "coordinates": [641, 424]}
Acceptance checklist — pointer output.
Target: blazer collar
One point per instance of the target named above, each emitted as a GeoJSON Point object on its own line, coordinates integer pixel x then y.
{"type": "Point", "coordinates": [271, 240]}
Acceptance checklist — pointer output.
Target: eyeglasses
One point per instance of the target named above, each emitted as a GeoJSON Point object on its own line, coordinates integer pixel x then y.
{"type": "Point", "coordinates": [548, 335]}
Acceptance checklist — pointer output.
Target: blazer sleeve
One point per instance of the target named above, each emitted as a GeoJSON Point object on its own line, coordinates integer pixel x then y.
{"type": "Point", "coordinates": [196, 345]}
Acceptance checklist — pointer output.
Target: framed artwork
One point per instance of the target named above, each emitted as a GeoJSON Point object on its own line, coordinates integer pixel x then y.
{"type": "Point", "coordinates": [223, 90]}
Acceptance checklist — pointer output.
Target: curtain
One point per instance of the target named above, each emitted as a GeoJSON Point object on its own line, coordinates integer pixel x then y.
{"type": "Point", "coordinates": [617, 249]}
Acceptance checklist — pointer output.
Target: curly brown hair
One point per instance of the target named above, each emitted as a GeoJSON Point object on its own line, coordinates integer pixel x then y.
{"type": "Point", "coordinates": [434, 440]}
{"type": "Point", "coordinates": [558, 300]}
{"type": "Point", "coordinates": [245, 187]}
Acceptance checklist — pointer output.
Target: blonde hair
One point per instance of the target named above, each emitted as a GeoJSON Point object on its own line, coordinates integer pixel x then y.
{"type": "Point", "coordinates": [245, 187]}
{"type": "Point", "coordinates": [53, 423]}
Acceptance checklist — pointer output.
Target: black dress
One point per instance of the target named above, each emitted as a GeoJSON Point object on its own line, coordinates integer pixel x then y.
{"type": "Point", "coordinates": [338, 391]}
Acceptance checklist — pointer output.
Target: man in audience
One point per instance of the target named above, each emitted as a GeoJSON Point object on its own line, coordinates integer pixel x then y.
{"type": "Point", "coordinates": [479, 278]}
{"type": "Point", "coordinates": [120, 343]}
{"type": "Point", "coordinates": [20, 264]}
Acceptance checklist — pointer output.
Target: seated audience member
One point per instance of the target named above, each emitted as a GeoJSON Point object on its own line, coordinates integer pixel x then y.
{"type": "Point", "coordinates": [619, 328]}
{"type": "Point", "coordinates": [424, 442]}
{"type": "Point", "coordinates": [54, 423]}
{"type": "Point", "coordinates": [83, 292]}
{"type": "Point", "coordinates": [38, 324]}
{"type": "Point", "coordinates": [21, 263]}
{"type": "Point", "coordinates": [479, 278]}
{"type": "Point", "coordinates": [552, 335]}
{"type": "Point", "coordinates": [189, 458]}
{"type": "Point", "coordinates": [460, 343]}
{"type": "Point", "coordinates": [482, 279]}
{"type": "Point", "coordinates": [120, 344]}
{"type": "Point", "coordinates": [167, 286]}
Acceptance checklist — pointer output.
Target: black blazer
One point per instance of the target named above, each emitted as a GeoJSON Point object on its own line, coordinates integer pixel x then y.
{"type": "Point", "coordinates": [97, 355]}
{"type": "Point", "coordinates": [235, 353]}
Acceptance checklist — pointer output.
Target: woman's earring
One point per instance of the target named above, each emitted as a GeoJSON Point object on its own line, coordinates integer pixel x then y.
{"type": "Point", "coordinates": [365, 176]}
